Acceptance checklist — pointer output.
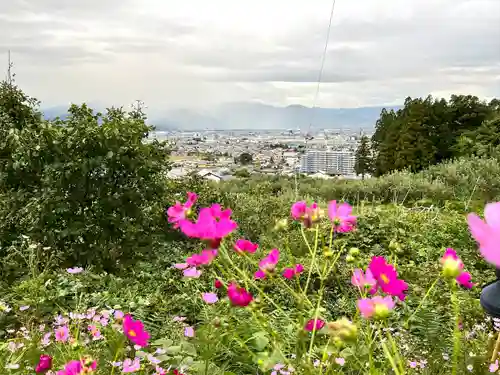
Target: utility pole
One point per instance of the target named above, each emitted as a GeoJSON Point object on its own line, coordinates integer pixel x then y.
{"type": "Point", "coordinates": [9, 67]}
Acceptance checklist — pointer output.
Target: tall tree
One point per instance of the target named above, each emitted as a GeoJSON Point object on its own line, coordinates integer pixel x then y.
{"type": "Point", "coordinates": [363, 163]}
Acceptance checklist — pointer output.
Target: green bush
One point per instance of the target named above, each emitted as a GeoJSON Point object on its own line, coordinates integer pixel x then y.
{"type": "Point", "coordinates": [90, 187]}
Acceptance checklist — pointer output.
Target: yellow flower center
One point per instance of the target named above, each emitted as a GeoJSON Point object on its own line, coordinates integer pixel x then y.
{"type": "Point", "coordinates": [384, 278]}
{"type": "Point", "coordinates": [132, 333]}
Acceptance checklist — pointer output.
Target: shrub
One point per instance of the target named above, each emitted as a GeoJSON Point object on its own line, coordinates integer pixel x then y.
{"type": "Point", "coordinates": [89, 187]}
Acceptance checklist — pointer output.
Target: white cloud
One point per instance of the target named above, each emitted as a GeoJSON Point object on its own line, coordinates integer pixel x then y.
{"type": "Point", "coordinates": [198, 53]}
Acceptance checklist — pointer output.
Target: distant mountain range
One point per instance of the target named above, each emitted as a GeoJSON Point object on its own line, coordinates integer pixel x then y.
{"type": "Point", "coordinates": [259, 117]}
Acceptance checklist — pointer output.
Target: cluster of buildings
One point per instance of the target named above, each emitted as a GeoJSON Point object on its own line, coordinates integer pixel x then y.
{"type": "Point", "coordinates": [218, 155]}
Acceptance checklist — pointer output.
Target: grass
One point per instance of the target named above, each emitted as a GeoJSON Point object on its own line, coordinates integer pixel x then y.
{"type": "Point", "coordinates": [425, 215]}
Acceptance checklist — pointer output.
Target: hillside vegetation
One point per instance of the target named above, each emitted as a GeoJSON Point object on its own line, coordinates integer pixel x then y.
{"type": "Point", "coordinates": [103, 273]}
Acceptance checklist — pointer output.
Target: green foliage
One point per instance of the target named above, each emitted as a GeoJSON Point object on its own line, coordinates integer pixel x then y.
{"type": "Point", "coordinates": [245, 158]}
{"type": "Point", "coordinates": [363, 164]}
{"type": "Point", "coordinates": [242, 172]}
{"type": "Point", "coordinates": [428, 131]}
{"type": "Point", "coordinates": [89, 187]}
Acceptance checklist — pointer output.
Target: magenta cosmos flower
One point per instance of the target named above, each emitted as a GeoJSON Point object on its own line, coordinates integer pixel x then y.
{"type": "Point", "coordinates": [387, 278]}
{"type": "Point", "coordinates": [340, 215]}
{"type": "Point", "coordinates": [487, 233]}
{"type": "Point", "coordinates": [84, 366]}
{"type": "Point", "coordinates": [378, 307]}
{"type": "Point", "coordinates": [268, 264]}
{"type": "Point", "coordinates": [308, 215]}
{"type": "Point", "coordinates": [314, 325]}
{"type": "Point", "coordinates": [44, 364]}
{"type": "Point", "coordinates": [135, 332]}
{"type": "Point", "coordinates": [213, 225]}
{"type": "Point", "coordinates": [453, 268]}
{"type": "Point", "coordinates": [289, 273]}
{"type": "Point", "coordinates": [238, 296]}
{"type": "Point", "coordinates": [179, 211]}
{"type": "Point", "coordinates": [245, 246]}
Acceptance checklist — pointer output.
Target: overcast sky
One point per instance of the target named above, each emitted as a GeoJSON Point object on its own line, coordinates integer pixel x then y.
{"type": "Point", "coordinates": [197, 53]}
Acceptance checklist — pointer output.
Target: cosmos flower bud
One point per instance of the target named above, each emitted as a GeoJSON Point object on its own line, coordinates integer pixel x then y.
{"type": "Point", "coordinates": [343, 329]}
{"type": "Point", "coordinates": [281, 225]}
{"type": "Point", "coordinates": [451, 268]}
{"type": "Point", "coordinates": [350, 259]}
{"type": "Point", "coordinates": [452, 265]}
{"type": "Point", "coordinates": [354, 251]}
{"type": "Point", "coordinates": [381, 311]}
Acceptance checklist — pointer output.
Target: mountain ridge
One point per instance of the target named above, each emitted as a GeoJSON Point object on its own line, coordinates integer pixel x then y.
{"type": "Point", "coordinates": [257, 116]}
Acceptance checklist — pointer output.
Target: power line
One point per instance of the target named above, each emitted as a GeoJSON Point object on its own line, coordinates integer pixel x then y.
{"type": "Point", "coordinates": [320, 76]}
{"type": "Point", "coordinates": [323, 58]}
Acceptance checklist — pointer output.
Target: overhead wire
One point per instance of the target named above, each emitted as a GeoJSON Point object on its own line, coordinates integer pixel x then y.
{"type": "Point", "coordinates": [318, 84]}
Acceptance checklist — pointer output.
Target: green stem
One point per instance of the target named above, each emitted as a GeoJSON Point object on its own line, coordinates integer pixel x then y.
{"type": "Point", "coordinates": [431, 288]}
{"type": "Point", "coordinates": [456, 330]}
{"type": "Point", "coordinates": [316, 312]}
{"type": "Point", "coordinates": [313, 256]}
{"type": "Point", "coordinates": [395, 351]}
{"type": "Point", "coordinates": [496, 349]}
{"type": "Point", "coordinates": [114, 359]}
{"type": "Point", "coordinates": [391, 359]}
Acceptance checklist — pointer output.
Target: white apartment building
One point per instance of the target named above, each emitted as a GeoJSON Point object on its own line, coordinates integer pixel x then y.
{"type": "Point", "coordinates": [330, 162]}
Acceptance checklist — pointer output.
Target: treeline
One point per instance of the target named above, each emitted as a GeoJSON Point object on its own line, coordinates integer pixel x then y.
{"type": "Point", "coordinates": [428, 131]}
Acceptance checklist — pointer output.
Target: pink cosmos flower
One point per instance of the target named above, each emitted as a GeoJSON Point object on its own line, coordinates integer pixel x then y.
{"type": "Point", "coordinates": [95, 332]}
{"type": "Point", "coordinates": [44, 364]}
{"type": "Point", "coordinates": [268, 264]}
{"type": "Point", "coordinates": [179, 211]}
{"type": "Point", "coordinates": [46, 339]}
{"type": "Point", "coordinates": [74, 270]}
{"type": "Point", "coordinates": [494, 366]}
{"type": "Point", "coordinates": [363, 280]}
{"type": "Point", "coordinates": [135, 332]}
{"type": "Point", "coordinates": [62, 334]}
{"type": "Point", "coordinates": [453, 268]}
{"type": "Point", "coordinates": [378, 306]}
{"type": "Point", "coordinates": [210, 297]}
{"type": "Point", "coordinates": [213, 225]}
{"type": "Point", "coordinates": [204, 258]}
{"type": "Point", "coordinates": [130, 366]}
{"type": "Point", "coordinates": [341, 217]}
{"type": "Point", "coordinates": [487, 233]}
{"type": "Point", "coordinates": [289, 273]}
{"type": "Point", "coordinates": [181, 266]}
{"type": "Point", "coordinates": [238, 296]}
{"type": "Point", "coordinates": [387, 278]}
{"type": "Point", "coordinates": [314, 325]}
{"type": "Point", "coordinates": [189, 332]}
{"type": "Point", "coordinates": [308, 215]}
{"type": "Point", "coordinates": [78, 367]}
{"type": "Point", "coordinates": [242, 246]}
{"type": "Point", "coordinates": [340, 361]}
{"type": "Point", "coordinates": [192, 273]}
